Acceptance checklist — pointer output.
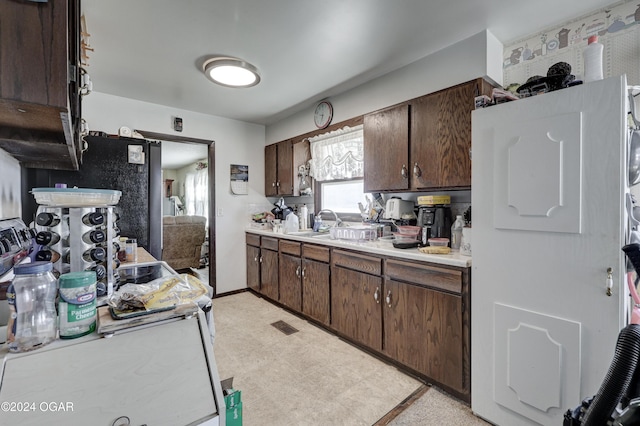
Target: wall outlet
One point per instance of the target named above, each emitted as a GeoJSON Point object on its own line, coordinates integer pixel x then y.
{"type": "Point", "coordinates": [220, 212]}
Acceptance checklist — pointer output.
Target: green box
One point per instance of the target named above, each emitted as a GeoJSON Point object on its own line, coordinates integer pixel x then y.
{"type": "Point", "coordinates": [233, 399]}
{"type": "Point", "coordinates": [234, 409]}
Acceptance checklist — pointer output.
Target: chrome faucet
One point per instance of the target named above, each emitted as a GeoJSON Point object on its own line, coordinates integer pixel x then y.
{"type": "Point", "coordinates": [338, 221]}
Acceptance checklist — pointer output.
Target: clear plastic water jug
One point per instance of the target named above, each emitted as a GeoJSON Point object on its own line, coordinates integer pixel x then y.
{"type": "Point", "coordinates": [35, 289]}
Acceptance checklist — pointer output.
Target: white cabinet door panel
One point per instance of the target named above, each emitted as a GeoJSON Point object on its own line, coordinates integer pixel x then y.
{"type": "Point", "coordinates": [155, 376]}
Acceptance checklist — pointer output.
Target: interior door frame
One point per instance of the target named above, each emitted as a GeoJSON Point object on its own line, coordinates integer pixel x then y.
{"type": "Point", "coordinates": [212, 191]}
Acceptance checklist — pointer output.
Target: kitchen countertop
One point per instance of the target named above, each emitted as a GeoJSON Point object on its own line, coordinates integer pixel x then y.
{"type": "Point", "coordinates": [373, 247]}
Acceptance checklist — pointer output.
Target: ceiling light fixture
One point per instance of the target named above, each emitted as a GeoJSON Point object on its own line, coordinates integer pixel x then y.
{"type": "Point", "coordinates": [231, 72]}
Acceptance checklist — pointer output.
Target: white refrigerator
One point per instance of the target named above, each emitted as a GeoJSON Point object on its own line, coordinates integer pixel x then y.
{"type": "Point", "coordinates": [549, 221]}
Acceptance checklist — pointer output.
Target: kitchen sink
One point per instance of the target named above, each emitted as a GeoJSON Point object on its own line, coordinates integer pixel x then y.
{"type": "Point", "coordinates": [309, 234]}
{"type": "Point", "coordinates": [302, 233]}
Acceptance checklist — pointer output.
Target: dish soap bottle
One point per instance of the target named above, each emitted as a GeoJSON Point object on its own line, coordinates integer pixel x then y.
{"type": "Point", "coordinates": [317, 223]}
{"type": "Point", "coordinates": [593, 60]}
{"type": "Point", "coordinates": [456, 233]}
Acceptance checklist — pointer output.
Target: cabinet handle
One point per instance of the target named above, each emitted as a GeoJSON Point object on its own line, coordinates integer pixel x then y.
{"type": "Point", "coordinates": [376, 295]}
{"type": "Point", "coordinates": [298, 272]}
{"type": "Point", "coordinates": [303, 269]}
{"type": "Point", "coordinates": [403, 172]}
{"type": "Point", "coordinates": [278, 184]}
{"type": "Point", "coordinates": [416, 170]}
{"type": "Point", "coordinates": [388, 299]}
{"type": "Point", "coordinates": [255, 259]}
{"type": "Point", "coordinates": [273, 184]}
{"type": "Point", "coordinates": [260, 259]}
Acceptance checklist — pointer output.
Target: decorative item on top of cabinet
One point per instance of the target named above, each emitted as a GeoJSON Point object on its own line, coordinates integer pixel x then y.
{"type": "Point", "coordinates": [40, 107]}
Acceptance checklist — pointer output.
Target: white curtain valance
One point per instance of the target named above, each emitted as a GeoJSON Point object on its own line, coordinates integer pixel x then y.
{"type": "Point", "coordinates": [338, 154]}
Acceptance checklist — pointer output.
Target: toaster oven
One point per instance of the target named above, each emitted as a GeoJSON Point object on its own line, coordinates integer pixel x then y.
{"type": "Point", "coordinates": [15, 240]}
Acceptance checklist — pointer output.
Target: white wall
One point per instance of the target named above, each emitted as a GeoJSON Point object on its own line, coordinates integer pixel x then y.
{"type": "Point", "coordinates": [236, 142]}
{"type": "Point", "coordinates": [10, 189]}
{"type": "Point", "coordinates": [477, 56]}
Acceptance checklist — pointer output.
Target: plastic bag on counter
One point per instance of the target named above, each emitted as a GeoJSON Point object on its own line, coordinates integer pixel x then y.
{"type": "Point", "coordinates": [291, 224]}
{"type": "Point", "coordinates": [161, 293]}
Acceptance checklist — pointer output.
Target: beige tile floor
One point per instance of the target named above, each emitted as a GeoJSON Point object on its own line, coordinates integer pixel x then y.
{"type": "Point", "coordinates": [310, 377]}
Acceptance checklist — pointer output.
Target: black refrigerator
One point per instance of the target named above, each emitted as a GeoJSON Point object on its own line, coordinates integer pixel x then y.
{"type": "Point", "coordinates": [106, 165]}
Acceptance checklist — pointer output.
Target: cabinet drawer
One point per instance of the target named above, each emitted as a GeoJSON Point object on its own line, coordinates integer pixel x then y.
{"type": "Point", "coordinates": [290, 247]}
{"type": "Point", "coordinates": [319, 253]}
{"type": "Point", "coordinates": [270, 243]}
{"type": "Point", "coordinates": [440, 278]}
{"type": "Point", "coordinates": [362, 263]}
{"type": "Point", "coordinates": [253, 240]}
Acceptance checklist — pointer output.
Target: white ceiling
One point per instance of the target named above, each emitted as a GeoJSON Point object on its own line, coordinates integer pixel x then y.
{"type": "Point", "coordinates": [176, 155]}
{"type": "Point", "coordinates": [152, 50]}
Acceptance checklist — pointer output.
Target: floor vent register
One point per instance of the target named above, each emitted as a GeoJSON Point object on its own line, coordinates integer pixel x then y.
{"type": "Point", "coordinates": [284, 327]}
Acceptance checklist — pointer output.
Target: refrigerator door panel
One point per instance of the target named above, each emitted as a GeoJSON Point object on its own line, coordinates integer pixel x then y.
{"type": "Point", "coordinates": [105, 165]}
{"type": "Point", "coordinates": [548, 185]}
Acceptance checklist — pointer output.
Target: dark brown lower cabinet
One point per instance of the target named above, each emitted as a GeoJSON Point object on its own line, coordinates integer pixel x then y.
{"type": "Point", "coordinates": [423, 330]}
{"type": "Point", "coordinates": [426, 323]}
{"type": "Point", "coordinates": [356, 296]}
{"type": "Point", "coordinates": [304, 279]}
{"type": "Point", "coordinates": [253, 261]}
{"type": "Point", "coordinates": [315, 290]}
{"type": "Point", "coordinates": [253, 268]}
{"type": "Point", "coordinates": [269, 267]}
{"type": "Point", "coordinates": [316, 275]}
{"type": "Point", "coordinates": [290, 285]}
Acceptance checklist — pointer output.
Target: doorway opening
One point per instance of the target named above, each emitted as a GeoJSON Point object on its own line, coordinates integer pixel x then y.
{"type": "Point", "coordinates": [187, 191]}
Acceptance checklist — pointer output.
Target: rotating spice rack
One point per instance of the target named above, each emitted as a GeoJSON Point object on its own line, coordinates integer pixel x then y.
{"type": "Point", "coordinates": [64, 213]}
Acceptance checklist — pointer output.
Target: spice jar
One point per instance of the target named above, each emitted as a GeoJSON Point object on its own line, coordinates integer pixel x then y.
{"type": "Point", "coordinates": [131, 248]}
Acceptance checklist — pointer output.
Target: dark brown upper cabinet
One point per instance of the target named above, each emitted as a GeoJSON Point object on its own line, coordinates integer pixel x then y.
{"type": "Point", "coordinates": [422, 144]}
{"type": "Point", "coordinates": [39, 74]}
{"type": "Point", "coordinates": [281, 162]}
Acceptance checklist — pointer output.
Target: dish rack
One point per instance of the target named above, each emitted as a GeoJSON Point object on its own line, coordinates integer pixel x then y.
{"type": "Point", "coordinates": [353, 234]}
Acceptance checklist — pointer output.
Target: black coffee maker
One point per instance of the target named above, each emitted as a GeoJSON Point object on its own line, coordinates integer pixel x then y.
{"type": "Point", "coordinates": [435, 222]}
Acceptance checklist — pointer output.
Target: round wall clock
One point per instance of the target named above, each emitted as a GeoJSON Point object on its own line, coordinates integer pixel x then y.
{"type": "Point", "coordinates": [323, 114]}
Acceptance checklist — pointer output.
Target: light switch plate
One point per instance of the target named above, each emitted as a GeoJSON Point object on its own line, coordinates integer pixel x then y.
{"type": "Point", "coordinates": [136, 154]}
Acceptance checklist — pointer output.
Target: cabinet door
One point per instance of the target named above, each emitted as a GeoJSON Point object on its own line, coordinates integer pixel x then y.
{"type": "Point", "coordinates": [355, 306]}
{"type": "Point", "coordinates": [253, 268]}
{"type": "Point", "coordinates": [42, 36]}
{"type": "Point", "coordinates": [454, 135]}
{"type": "Point", "coordinates": [315, 290]}
{"type": "Point", "coordinates": [290, 281]}
{"type": "Point", "coordinates": [285, 168]}
{"type": "Point", "coordinates": [270, 170]}
{"type": "Point", "coordinates": [423, 330]}
{"type": "Point", "coordinates": [269, 274]}
{"type": "Point", "coordinates": [386, 149]}
{"type": "Point", "coordinates": [425, 162]}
